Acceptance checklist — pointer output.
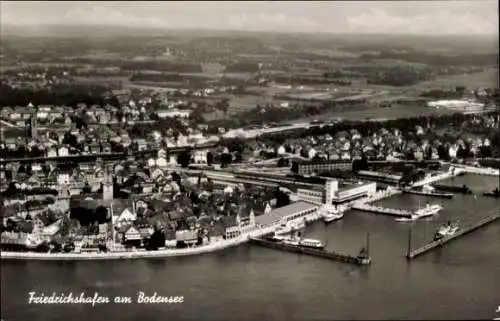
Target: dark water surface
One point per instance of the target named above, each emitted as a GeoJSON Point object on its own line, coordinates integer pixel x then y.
{"type": "Point", "coordinates": [458, 281]}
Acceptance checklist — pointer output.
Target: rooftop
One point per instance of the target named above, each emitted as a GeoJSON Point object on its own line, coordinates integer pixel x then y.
{"type": "Point", "coordinates": [278, 213]}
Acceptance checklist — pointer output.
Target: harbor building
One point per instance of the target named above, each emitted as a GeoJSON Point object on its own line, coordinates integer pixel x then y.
{"type": "Point", "coordinates": [311, 167]}
{"type": "Point", "coordinates": [294, 212]}
{"type": "Point", "coordinates": [465, 106]}
{"type": "Point", "coordinates": [335, 192]}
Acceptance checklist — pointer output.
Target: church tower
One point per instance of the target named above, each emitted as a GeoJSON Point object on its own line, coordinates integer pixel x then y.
{"type": "Point", "coordinates": [252, 217]}
{"type": "Point", "coordinates": [107, 184]}
{"type": "Point", "coordinates": [238, 219]}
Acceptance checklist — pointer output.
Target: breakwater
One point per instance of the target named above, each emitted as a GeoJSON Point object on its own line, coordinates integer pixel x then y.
{"type": "Point", "coordinates": [434, 244]}
{"type": "Point", "coordinates": [357, 260]}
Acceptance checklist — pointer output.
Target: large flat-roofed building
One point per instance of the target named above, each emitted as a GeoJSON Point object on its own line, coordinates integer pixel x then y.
{"type": "Point", "coordinates": [285, 214]}
{"type": "Point", "coordinates": [310, 167]}
{"type": "Point", "coordinates": [335, 192]}
{"type": "Point", "coordinates": [459, 105]}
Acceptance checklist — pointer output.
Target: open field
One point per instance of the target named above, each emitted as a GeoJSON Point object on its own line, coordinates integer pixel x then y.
{"type": "Point", "coordinates": [104, 79]}
{"type": "Point", "coordinates": [397, 111]}
{"type": "Point", "coordinates": [485, 79]}
{"type": "Point", "coordinates": [241, 103]}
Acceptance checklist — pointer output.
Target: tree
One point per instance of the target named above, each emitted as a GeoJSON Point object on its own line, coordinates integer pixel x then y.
{"type": "Point", "coordinates": [184, 158]}
{"type": "Point", "coordinates": [226, 159]}
{"type": "Point", "coordinates": [210, 158]}
{"type": "Point", "coordinates": [282, 162]}
{"type": "Point", "coordinates": [443, 153]}
{"type": "Point", "coordinates": [101, 214]}
{"type": "Point", "coordinates": [282, 199]}
{"type": "Point", "coordinates": [86, 189]}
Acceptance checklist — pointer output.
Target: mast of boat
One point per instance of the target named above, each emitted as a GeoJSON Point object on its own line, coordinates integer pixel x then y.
{"type": "Point", "coordinates": [368, 244]}
{"type": "Point", "coordinates": [326, 237]}
{"type": "Point", "coordinates": [409, 242]}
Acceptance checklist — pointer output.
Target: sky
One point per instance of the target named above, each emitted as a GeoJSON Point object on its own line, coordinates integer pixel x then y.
{"type": "Point", "coordinates": [476, 17]}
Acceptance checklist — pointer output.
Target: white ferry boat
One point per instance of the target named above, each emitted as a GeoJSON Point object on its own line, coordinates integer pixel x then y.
{"type": "Point", "coordinates": [330, 217]}
{"type": "Point", "coordinates": [311, 243]}
{"type": "Point", "coordinates": [446, 230]}
{"type": "Point", "coordinates": [427, 211]}
{"type": "Point", "coordinates": [331, 214]}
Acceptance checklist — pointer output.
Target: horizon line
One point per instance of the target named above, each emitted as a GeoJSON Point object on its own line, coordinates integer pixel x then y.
{"type": "Point", "coordinates": [284, 32]}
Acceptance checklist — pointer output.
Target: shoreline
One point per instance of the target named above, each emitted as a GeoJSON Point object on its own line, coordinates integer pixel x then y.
{"type": "Point", "coordinates": [204, 249]}
{"type": "Point", "coordinates": [217, 246]}
{"type": "Point", "coordinates": [11, 255]}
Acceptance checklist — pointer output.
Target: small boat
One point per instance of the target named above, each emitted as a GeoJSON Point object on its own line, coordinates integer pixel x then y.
{"type": "Point", "coordinates": [446, 230]}
{"type": "Point", "coordinates": [311, 243]}
{"type": "Point", "coordinates": [495, 193]}
{"type": "Point", "coordinates": [330, 215]}
{"type": "Point", "coordinates": [428, 210]}
{"type": "Point", "coordinates": [406, 219]}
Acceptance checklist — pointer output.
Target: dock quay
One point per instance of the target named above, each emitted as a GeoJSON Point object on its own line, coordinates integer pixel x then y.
{"type": "Point", "coordinates": [434, 244]}
{"type": "Point", "coordinates": [478, 170]}
{"type": "Point", "coordinates": [357, 260]}
{"type": "Point", "coordinates": [382, 210]}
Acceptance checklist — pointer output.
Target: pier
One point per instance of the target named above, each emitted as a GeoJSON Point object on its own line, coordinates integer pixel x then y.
{"type": "Point", "coordinates": [435, 178]}
{"type": "Point", "coordinates": [357, 260]}
{"type": "Point", "coordinates": [382, 210]}
{"type": "Point", "coordinates": [463, 231]}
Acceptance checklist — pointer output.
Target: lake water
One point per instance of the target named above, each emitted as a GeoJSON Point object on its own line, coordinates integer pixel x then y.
{"type": "Point", "coordinates": [458, 281]}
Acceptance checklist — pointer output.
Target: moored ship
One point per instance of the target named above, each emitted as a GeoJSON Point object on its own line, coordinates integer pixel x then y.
{"type": "Point", "coordinates": [446, 230]}
{"type": "Point", "coordinates": [428, 210]}
{"type": "Point", "coordinates": [331, 214]}
{"type": "Point", "coordinates": [495, 193]}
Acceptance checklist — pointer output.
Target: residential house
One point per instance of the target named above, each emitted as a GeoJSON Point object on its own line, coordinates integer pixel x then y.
{"type": "Point", "coordinates": [161, 162]}
{"type": "Point", "coordinates": [62, 151]}
{"type": "Point", "coordinates": [132, 233]}
{"type": "Point", "coordinates": [200, 156]}
{"type": "Point", "coordinates": [16, 115]}
{"type": "Point", "coordinates": [142, 144]}
{"type": "Point", "coordinates": [6, 112]}
{"type": "Point", "coordinates": [452, 151]}
{"type": "Point", "coordinates": [189, 237]}
{"type": "Point", "coordinates": [151, 162]}
{"type": "Point", "coordinates": [48, 232]}
{"type": "Point", "coordinates": [311, 153]}
{"type": "Point", "coordinates": [126, 217]}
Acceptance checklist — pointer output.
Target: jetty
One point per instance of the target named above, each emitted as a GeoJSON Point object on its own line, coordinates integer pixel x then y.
{"type": "Point", "coordinates": [438, 243]}
{"type": "Point", "coordinates": [382, 210]}
{"type": "Point", "coordinates": [435, 178]}
{"type": "Point", "coordinates": [361, 259]}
